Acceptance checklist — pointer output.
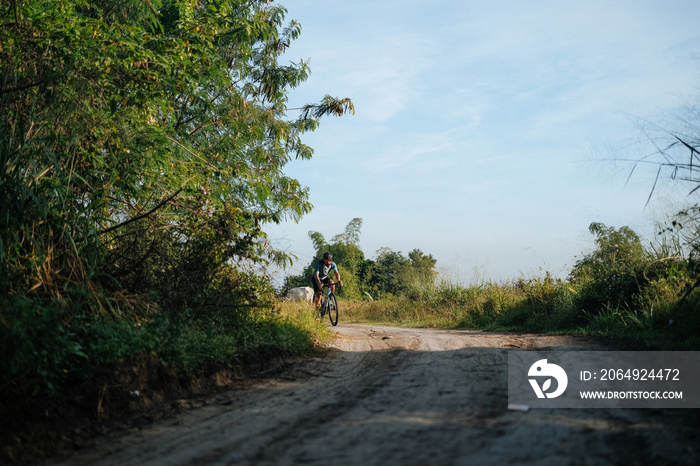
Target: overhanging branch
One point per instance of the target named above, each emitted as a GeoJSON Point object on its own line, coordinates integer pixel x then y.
{"type": "Point", "coordinates": [139, 217]}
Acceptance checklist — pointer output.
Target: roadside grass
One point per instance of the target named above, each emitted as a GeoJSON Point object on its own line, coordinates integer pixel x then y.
{"type": "Point", "coordinates": [301, 314]}
{"type": "Point", "coordinates": [540, 305]}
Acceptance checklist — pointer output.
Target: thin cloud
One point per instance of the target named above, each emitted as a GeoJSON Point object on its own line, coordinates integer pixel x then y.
{"type": "Point", "coordinates": [470, 115]}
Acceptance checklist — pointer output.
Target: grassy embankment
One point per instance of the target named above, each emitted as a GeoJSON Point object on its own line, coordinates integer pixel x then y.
{"type": "Point", "coordinates": [61, 381]}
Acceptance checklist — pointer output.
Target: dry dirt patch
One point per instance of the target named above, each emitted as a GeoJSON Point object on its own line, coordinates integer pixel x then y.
{"type": "Point", "coordinates": [385, 395]}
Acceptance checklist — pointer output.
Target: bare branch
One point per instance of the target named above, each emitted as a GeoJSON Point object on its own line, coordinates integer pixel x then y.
{"type": "Point", "coordinates": [139, 217]}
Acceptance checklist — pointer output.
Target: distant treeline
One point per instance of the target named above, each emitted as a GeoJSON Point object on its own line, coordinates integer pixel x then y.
{"type": "Point", "coordinates": [389, 274]}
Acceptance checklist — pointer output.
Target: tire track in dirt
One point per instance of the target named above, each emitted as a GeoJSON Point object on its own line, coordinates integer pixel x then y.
{"type": "Point", "coordinates": [388, 395]}
{"type": "Point", "coordinates": [340, 398]}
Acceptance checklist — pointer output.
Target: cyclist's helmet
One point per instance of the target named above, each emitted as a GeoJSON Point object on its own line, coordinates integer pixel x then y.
{"type": "Point", "coordinates": [327, 256]}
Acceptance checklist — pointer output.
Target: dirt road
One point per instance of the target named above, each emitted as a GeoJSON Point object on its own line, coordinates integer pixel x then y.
{"type": "Point", "coordinates": [388, 396]}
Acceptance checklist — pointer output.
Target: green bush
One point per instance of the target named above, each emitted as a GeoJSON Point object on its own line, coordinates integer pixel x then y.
{"type": "Point", "coordinates": [38, 350]}
{"type": "Point", "coordinates": [612, 274]}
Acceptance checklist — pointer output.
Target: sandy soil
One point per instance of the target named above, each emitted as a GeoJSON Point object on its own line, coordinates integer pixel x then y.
{"type": "Point", "coordinates": [385, 395]}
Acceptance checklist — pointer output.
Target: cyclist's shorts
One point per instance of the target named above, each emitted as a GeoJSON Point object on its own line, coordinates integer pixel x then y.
{"type": "Point", "coordinates": [325, 281]}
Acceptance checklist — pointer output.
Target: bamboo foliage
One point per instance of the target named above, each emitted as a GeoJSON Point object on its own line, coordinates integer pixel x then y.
{"type": "Point", "coordinates": [140, 141]}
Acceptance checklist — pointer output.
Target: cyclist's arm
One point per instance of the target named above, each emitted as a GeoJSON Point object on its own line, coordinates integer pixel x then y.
{"type": "Point", "coordinates": [317, 272]}
{"type": "Point", "coordinates": [337, 277]}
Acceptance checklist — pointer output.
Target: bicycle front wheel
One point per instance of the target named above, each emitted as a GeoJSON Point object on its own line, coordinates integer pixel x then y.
{"type": "Point", "coordinates": [333, 309]}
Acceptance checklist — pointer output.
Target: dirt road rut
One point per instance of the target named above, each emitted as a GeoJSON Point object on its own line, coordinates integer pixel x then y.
{"type": "Point", "coordinates": [386, 395]}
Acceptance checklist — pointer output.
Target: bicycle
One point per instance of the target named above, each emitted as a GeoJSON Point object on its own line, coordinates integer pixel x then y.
{"type": "Point", "coordinates": [329, 305]}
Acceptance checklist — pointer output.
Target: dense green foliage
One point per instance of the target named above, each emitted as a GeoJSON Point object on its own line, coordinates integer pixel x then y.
{"type": "Point", "coordinates": [142, 148]}
{"type": "Point", "coordinates": [613, 273]}
{"type": "Point", "coordinates": [390, 274]}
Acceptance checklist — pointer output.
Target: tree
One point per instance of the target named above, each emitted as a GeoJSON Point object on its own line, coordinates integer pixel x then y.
{"type": "Point", "coordinates": [392, 273]}
{"type": "Point", "coordinates": [351, 234]}
{"type": "Point", "coordinates": [143, 145]}
{"type": "Point", "coordinates": [346, 254]}
{"type": "Point", "coordinates": [613, 273]}
{"type": "Point", "coordinates": [423, 268]}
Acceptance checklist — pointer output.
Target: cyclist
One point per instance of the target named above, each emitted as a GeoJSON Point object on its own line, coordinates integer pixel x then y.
{"type": "Point", "coordinates": [320, 278]}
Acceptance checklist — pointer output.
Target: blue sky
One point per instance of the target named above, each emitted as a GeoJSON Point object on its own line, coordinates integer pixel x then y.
{"type": "Point", "coordinates": [481, 127]}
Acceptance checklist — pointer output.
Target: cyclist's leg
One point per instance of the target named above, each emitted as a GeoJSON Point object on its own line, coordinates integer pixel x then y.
{"type": "Point", "coordinates": [317, 294]}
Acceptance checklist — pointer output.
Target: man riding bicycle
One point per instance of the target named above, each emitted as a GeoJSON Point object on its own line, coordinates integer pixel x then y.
{"type": "Point", "coordinates": [320, 278]}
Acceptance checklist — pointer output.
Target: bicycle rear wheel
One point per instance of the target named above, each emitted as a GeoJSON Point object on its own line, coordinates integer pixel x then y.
{"type": "Point", "coordinates": [333, 309]}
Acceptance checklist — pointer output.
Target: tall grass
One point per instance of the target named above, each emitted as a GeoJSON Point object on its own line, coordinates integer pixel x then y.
{"type": "Point", "coordinates": [529, 305]}
{"type": "Point", "coordinates": [540, 304]}
{"type": "Point", "coordinates": [303, 316]}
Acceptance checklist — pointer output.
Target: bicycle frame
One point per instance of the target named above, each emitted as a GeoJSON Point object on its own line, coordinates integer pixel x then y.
{"type": "Point", "coordinates": [329, 305]}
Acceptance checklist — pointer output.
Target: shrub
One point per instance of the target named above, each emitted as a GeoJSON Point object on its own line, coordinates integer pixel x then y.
{"type": "Point", "coordinates": [611, 274]}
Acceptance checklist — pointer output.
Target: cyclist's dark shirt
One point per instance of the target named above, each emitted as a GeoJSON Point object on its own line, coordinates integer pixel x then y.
{"type": "Point", "coordinates": [323, 269]}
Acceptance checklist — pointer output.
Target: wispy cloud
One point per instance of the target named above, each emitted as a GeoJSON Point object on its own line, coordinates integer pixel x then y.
{"type": "Point", "coordinates": [475, 111]}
